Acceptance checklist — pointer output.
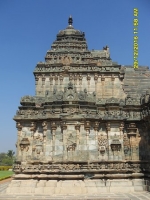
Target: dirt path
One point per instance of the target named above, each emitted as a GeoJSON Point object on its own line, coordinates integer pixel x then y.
{"type": "Point", "coordinates": [5, 180]}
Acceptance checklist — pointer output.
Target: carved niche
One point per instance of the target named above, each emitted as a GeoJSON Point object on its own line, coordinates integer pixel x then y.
{"type": "Point", "coordinates": [102, 144]}
{"type": "Point", "coordinates": [115, 144]}
{"type": "Point", "coordinates": [127, 148]}
{"type": "Point", "coordinates": [71, 143]}
{"type": "Point", "coordinates": [70, 93]}
{"type": "Point", "coordinates": [24, 144]}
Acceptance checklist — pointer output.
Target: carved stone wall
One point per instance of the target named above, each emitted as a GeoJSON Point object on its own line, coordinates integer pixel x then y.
{"type": "Point", "coordinates": [86, 121]}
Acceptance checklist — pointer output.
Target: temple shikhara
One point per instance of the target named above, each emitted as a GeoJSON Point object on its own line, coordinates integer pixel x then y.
{"type": "Point", "coordinates": [86, 130]}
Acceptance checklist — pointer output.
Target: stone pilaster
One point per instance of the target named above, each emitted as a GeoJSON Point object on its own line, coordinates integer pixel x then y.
{"type": "Point", "coordinates": [87, 127]}
{"type": "Point", "coordinates": [103, 84]}
{"type": "Point", "coordinates": [44, 126]}
{"type": "Point", "coordinates": [19, 128]}
{"type": "Point", "coordinates": [108, 129]}
{"type": "Point", "coordinates": [134, 144]}
{"type": "Point", "coordinates": [64, 131]}
{"type": "Point", "coordinates": [51, 79]}
{"type": "Point", "coordinates": [53, 130]}
{"type": "Point", "coordinates": [112, 79]}
{"type": "Point", "coordinates": [77, 128]}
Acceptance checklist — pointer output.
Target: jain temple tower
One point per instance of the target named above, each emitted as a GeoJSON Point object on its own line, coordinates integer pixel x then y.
{"type": "Point", "coordinates": [86, 130]}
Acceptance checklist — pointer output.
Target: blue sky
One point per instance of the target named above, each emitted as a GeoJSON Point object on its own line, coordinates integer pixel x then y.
{"type": "Point", "coordinates": [28, 28]}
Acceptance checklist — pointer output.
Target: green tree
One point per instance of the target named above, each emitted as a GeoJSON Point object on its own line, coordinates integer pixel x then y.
{"type": "Point", "coordinates": [2, 156]}
{"type": "Point", "coordinates": [10, 153]}
{"type": "Point", "coordinates": [7, 161]}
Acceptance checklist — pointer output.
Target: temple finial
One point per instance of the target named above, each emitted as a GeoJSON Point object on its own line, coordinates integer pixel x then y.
{"type": "Point", "coordinates": [70, 21]}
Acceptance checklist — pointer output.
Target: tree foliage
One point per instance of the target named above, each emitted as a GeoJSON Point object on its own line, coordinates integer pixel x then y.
{"type": "Point", "coordinates": [10, 153]}
{"type": "Point", "coordinates": [7, 159]}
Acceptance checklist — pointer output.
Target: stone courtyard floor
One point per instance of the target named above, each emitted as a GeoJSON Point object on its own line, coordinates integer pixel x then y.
{"type": "Point", "coordinates": [103, 196]}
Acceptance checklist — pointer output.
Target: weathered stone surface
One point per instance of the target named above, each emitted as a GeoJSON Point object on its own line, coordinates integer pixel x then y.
{"type": "Point", "coordinates": [86, 130]}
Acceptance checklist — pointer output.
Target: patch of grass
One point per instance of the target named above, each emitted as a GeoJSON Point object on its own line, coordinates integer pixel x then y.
{"type": "Point", "coordinates": [5, 174]}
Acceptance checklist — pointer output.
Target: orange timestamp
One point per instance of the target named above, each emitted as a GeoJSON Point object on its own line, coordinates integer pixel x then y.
{"type": "Point", "coordinates": [135, 38]}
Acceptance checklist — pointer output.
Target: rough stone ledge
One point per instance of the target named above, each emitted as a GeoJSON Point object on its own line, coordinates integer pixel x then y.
{"type": "Point", "coordinates": [78, 176]}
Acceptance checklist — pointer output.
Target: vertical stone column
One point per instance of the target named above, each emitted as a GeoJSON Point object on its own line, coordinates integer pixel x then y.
{"type": "Point", "coordinates": [61, 79]}
{"type": "Point", "coordinates": [19, 128]}
{"type": "Point", "coordinates": [88, 81]}
{"type": "Point", "coordinates": [121, 128]}
{"type": "Point", "coordinates": [32, 129]}
{"type": "Point", "coordinates": [108, 129]}
{"type": "Point", "coordinates": [44, 126]}
{"type": "Point", "coordinates": [87, 127]}
{"type": "Point", "coordinates": [36, 79]}
{"type": "Point", "coordinates": [71, 77]}
{"type": "Point", "coordinates": [112, 79]}
{"type": "Point", "coordinates": [43, 84]}
{"type": "Point", "coordinates": [96, 80]}
{"type": "Point", "coordinates": [103, 82]}
{"type": "Point", "coordinates": [132, 133]}
{"type": "Point", "coordinates": [96, 127]}
{"type": "Point", "coordinates": [56, 79]}
{"type": "Point", "coordinates": [36, 83]}
{"type": "Point", "coordinates": [51, 82]}
{"type": "Point", "coordinates": [53, 129]}
{"type": "Point", "coordinates": [43, 79]}
{"type": "Point", "coordinates": [64, 128]}
{"type": "Point", "coordinates": [77, 127]}
{"type": "Point", "coordinates": [75, 79]}
{"type": "Point", "coordinates": [51, 79]}
{"type": "Point", "coordinates": [80, 80]}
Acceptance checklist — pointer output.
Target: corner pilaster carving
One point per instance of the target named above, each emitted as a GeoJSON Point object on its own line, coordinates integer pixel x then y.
{"type": "Point", "coordinates": [53, 128]}
{"type": "Point", "coordinates": [19, 126]}
{"type": "Point", "coordinates": [51, 79]}
{"type": "Point", "coordinates": [61, 78]}
{"type": "Point", "coordinates": [44, 126]}
{"type": "Point", "coordinates": [43, 79]}
{"type": "Point", "coordinates": [87, 126]}
{"type": "Point", "coordinates": [36, 79]}
{"type": "Point", "coordinates": [80, 79]}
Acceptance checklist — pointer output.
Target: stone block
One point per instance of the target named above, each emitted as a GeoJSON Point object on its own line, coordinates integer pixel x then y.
{"type": "Point", "coordinates": [102, 190]}
{"type": "Point", "coordinates": [90, 183]}
{"type": "Point", "coordinates": [28, 183]}
{"type": "Point", "coordinates": [41, 183]}
{"type": "Point", "coordinates": [78, 183]}
{"type": "Point", "coordinates": [122, 189]}
{"type": "Point", "coordinates": [15, 183]}
{"type": "Point", "coordinates": [57, 190]}
{"type": "Point", "coordinates": [49, 190]}
{"type": "Point", "coordinates": [75, 190]}
{"type": "Point", "coordinates": [51, 183]}
{"type": "Point", "coordinates": [39, 190]}
{"type": "Point", "coordinates": [138, 188]}
{"type": "Point", "coordinates": [11, 190]}
{"type": "Point", "coordinates": [64, 190]}
{"type": "Point", "coordinates": [100, 183]}
{"type": "Point", "coordinates": [138, 182]}
{"type": "Point", "coordinates": [92, 190]}
{"type": "Point", "coordinates": [67, 183]}
{"type": "Point", "coordinates": [121, 183]}
{"type": "Point", "coordinates": [26, 190]}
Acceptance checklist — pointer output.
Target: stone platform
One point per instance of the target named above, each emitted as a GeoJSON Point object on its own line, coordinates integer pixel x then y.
{"type": "Point", "coordinates": [74, 189]}
{"type": "Point", "coordinates": [108, 196]}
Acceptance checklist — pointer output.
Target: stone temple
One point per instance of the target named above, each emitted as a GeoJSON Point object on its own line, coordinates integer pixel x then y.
{"type": "Point", "coordinates": [86, 130]}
